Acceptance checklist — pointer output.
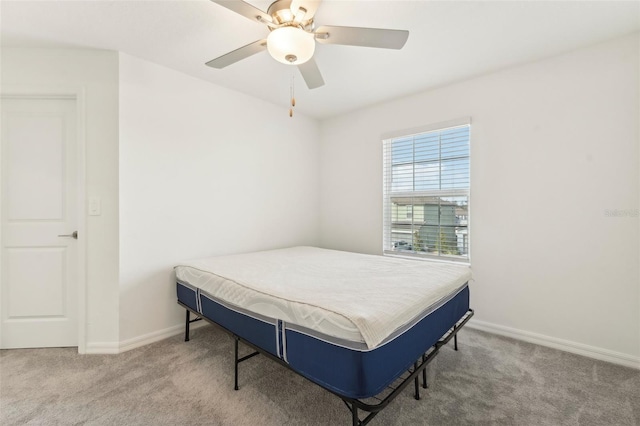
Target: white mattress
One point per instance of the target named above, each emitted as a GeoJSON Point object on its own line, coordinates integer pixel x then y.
{"type": "Point", "coordinates": [351, 296]}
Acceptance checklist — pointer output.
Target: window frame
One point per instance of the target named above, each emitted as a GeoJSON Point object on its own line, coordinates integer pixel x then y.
{"type": "Point", "coordinates": [387, 166]}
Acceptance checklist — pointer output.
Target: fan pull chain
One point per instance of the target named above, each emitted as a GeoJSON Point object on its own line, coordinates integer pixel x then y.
{"type": "Point", "coordinates": [292, 94]}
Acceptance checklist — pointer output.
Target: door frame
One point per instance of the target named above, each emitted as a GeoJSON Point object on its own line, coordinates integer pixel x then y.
{"type": "Point", "coordinates": [76, 94]}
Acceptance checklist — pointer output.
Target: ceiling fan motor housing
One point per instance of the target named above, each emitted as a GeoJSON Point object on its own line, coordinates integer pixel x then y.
{"type": "Point", "coordinates": [282, 14]}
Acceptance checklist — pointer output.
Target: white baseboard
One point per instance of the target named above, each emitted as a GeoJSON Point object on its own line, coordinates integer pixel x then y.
{"type": "Point", "coordinates": [561, 344]}
{"type": "Point", "coordinates": [101, 348]}
{"type": "Point", "coordinates": [155, 336]}
{"type": "Point", "coordinates": [110, 348]}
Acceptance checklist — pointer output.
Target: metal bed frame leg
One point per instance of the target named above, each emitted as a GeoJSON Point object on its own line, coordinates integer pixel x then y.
{"type": "Point", "coordinates": [186, 326]}
{"type": "Point", "coordinates": [416, 383]}
{"type": "Point", "coordinates": [354, 415]}
{"type": "Point", "coordinates": [424, 372]}
{"type": "Point", "coordinates": [455, 338]}
{"type": "Point", "coordinates": [235, 387]}
{"type": "Point", "coordinates": [237, 360]}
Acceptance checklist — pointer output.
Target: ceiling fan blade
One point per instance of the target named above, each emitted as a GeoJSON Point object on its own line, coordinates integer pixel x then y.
{"type": "Point", "coordinates": [366, 37]}
{"type": "Point", "coordinates": [245, 9]}
{"type": "Point", "coordinates": [238, 54]}
{"type": "Point", "coordinates": [310, 6]}
{"type": "Point", "coordinates": [311, 74]}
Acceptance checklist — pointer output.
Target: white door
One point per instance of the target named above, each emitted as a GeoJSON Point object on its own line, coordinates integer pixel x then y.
{"type": "Point", "coordinates": [39, 303]}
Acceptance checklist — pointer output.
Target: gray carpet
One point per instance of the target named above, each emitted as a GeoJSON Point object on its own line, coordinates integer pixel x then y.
{"type": "Point", "coordinates": [491, 380]}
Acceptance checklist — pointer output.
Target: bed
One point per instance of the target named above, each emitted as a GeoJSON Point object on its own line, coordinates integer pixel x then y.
{"type": "Point", "coordinates": [361, 326]}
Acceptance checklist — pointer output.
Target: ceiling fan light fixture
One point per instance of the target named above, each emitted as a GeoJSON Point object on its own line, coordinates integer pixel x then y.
{"type": "Point", "coordinates": [291, 45]}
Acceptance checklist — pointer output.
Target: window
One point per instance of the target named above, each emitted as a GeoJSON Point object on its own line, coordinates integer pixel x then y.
{"type": "Point", "coordinates": [426, 191]}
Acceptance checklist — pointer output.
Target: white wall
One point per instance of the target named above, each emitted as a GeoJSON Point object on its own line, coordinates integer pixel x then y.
{"type": "Point", "coordinates": [203, 171]}
{"type": "Point", "coordinates": [95, 72]}
{"type": "Point", "coordinates": [554, 145]}
{"type": "Point", "coordinates": [206, 171]}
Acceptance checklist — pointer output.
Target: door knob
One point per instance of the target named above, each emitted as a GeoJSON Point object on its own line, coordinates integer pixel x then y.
{"type": "Point", "coordinates": [73, 235]}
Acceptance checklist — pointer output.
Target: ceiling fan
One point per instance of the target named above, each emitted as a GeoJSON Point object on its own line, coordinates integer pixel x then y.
{"type": "Point", "coordinates": [292, 37]}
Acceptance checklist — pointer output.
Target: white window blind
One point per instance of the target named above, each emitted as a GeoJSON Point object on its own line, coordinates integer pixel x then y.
{"type": "Point", "coordinates": [426, 193]}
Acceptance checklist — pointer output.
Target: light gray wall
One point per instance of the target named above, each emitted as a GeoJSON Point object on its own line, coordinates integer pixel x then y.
{"type": "Point", "coordinates": [554, 148]}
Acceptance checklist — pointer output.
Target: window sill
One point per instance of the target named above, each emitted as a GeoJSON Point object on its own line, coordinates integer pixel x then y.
{"type": "Point", "coordinates": [425, 258]}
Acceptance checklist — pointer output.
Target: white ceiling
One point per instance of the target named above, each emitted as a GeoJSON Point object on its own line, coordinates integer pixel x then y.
{"type": "Point", "coordinates": [448, 41]}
